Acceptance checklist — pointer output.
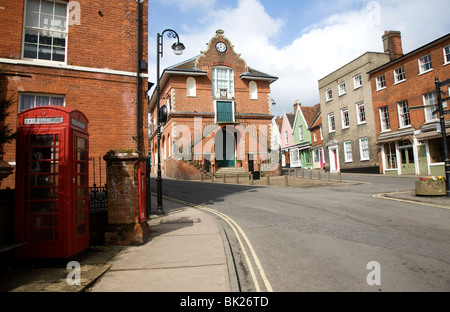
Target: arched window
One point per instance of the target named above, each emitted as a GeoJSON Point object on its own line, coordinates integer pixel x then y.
{"type": "Point", "coordinates": [253, 89]}
{"type": "Point", "coordinates": [191, 87]}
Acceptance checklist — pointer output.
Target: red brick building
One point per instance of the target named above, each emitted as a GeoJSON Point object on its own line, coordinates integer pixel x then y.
{"type": "Point", "coordinates": [82, 55]}
{"type": "Point", "coordinates": [317, 142]}
{"type": "Point", "coordinates": [407, 138]}
{"type": "Point", "coordinates": [219, 113]}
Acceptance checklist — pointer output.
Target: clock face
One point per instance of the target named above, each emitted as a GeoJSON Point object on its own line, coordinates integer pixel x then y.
{"type": "Point", "coordinates": [221, 47]}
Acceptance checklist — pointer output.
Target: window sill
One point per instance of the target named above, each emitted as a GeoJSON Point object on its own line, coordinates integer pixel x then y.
{"type": "Point", "coordinates": [405, 127]}
{"type": "Point", "coordinates": [364, 160]}
{"type": "Point", "coordinates": [362, 123]}
{"type": "Point", "coordinates": [385, 131]}
{"type": "Point", "coordinates": [381, 89]}
{"type": "Point", "coordinates": [398, 82]}
{"type": "Point", "coordinates": [425, 72]}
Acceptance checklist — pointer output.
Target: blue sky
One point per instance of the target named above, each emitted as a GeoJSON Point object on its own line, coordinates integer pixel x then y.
{"type": "Point", "coordinates": [298, 41]}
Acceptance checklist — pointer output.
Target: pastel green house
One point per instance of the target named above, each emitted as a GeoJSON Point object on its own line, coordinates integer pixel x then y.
{"type": "Point", "coordinates": [300, 153]}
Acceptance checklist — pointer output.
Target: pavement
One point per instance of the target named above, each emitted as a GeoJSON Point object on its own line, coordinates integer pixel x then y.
{"type": "Point", "coordinates": [186, 251]}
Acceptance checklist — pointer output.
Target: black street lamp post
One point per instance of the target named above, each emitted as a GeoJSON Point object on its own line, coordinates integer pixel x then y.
{"type": "Point", "coordinates": [442, 114]}
{"type": "Point", "coordinates": [178, 48]}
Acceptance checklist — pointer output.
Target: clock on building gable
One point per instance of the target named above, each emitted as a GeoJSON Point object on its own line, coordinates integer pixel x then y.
{"type": "Point", "coordinates": [221, 47]}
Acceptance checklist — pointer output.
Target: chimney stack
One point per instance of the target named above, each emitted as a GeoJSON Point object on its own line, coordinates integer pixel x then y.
{"type": "Point", "coordinates": [296, 105]}
{"type": "Point", "coordinates": [392, 44]}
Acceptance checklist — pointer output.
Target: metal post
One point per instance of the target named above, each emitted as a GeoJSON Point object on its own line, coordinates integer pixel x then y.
{"type": "Point", "coordinates": [159, 209]}
{"type": "Point", "coordinates": [178, 48]}
{"type": "Point", "coordinates": [444, 134]}
{"type": "Point", "coordinates": [148, 199]}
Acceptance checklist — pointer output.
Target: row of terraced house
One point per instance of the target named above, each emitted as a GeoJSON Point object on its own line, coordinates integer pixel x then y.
{"type": "Point", "coordinates": [377, 114]}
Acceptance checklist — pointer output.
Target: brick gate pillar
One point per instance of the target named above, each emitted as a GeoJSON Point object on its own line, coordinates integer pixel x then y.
{"type": "Point", "coordinates": [124, 225]}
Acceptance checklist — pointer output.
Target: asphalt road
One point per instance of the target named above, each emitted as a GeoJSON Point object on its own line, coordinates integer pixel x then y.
{"type": "Point", "coordinates": [338, 238]}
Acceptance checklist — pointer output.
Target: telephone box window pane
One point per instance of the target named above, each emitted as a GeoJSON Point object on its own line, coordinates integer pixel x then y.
{"type": "Point", "coordinates": [41, 193]}
{"type": "Point", "coordinates": [81, 180]}
{"type": "Point", "coordinates": [81, 143]}
{"type": "Point", "coordinates": [41, 207]}
{"type": "Point", "coordinates": [81, 217]}
{"type": "Point", "coordinates": [81, 230]}
{"type": "Point", "coordinates": [81, 193]}
{"type": "Point", "coordinates": [40, 180]}
{"type": "Point", "coordinates": [41, 220]}
{"type": "Point", "coordinates": [42, 140]}
{"type": "Point", "coordinates": [40, 167]}
{"type": "Point", "coordinates": [81, 205]}
{"type": "Point", "coordinates": [81, 155]}
{"type": "Point", "coordinates": [81, 167]}
{"type": "Point", "coordinates": [37, 235]}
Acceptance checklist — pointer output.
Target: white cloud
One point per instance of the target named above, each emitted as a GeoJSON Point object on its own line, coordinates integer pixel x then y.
{"type": "Point", "coordinates": [188, 5]}
{"type": "Point", "coordinates": [321, 48]}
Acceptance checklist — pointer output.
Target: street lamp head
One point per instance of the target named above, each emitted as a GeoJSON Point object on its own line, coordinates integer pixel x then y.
{"type": "Point", "coordinates": [178, 48]}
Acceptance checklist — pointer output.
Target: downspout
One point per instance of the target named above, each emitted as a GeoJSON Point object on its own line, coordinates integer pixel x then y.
{"type": "Point", "coordinates": [138, 78]}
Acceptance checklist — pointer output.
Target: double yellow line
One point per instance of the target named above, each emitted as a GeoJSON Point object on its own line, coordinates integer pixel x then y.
{"type": "Point", "coordinates": [239, 233]}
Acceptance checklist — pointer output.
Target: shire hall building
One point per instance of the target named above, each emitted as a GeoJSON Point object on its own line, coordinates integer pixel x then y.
{"type": "Point", "coordinates": [219, 115]}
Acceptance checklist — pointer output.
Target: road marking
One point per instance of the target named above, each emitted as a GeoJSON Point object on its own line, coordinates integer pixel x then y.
{"type": "Point", "coordinates": [236, 228]}
{"type": "Point", "coordinates": [386, 196]}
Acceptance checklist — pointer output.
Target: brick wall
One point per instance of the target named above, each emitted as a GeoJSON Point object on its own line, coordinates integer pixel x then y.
{"type": "Point", "coordinates": [105, 40]}
{"type": "Point", "coordinates": [412, 88]}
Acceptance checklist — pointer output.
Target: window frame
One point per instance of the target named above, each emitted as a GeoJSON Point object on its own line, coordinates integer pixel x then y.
{"type": "Point", "coordinates": [402, 114]}
{"type": "Point", "coordinates": [356, 84]}
{"type": "Point", "coordinates": [301, 133]}
{"type": "Point", "coordinates": [383, 82]}
{"type": "Point", "coordinates": [342, 91]}
{"type": "Point", "coordinates": [38, 30]}
{"type": "Point", "coordinates": [384, 119]}
{"type": "Point", "coordinates": [345, 119]}
{"type": "Point", "coordinates": [348, 152]}
{"type": "Point", "coordinates": [49, 95]}
{"type": "Point", "coordinates": [331, 123]}
{"type": "Point", "coordinates": [364, 149]}
{"type": "Point", "coordinates": [432, 105]}
{"type": "Point", "coordinates": [329, 95]}
{"type": "Point", "coordinates": [424, 61]}
{"type": "Point", "coordinates": [446, 54]}
{"type": "Point", "coordinates": [216, 88]}
{"type": "Point", "coordinates": [397, 74]}
{"type": "Point", "coordinates": [360, 116]}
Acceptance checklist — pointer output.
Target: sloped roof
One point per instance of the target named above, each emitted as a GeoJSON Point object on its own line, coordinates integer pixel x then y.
{"type": "Point", "coordinates": [291, 119]}
{"type": "Point", "coordinates": [317, 123]}
{"type": "Point", "coordinates": [279, 123]}
{"type": "Point", "coordinates": [310, 113]}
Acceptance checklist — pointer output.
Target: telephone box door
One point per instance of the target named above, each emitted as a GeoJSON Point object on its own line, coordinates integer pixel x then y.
{"type": "Point", "coordinates": [80, 222]}
{"type": "Point", "coordinates": [43, 220]}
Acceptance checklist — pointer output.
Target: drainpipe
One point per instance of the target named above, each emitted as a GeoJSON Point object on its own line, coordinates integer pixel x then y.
{"type": "Point", "coordinates": [138, 78]}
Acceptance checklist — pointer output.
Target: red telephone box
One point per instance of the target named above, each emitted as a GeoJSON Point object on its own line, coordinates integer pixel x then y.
{"type": "Point", "coordinates": [52, 194]}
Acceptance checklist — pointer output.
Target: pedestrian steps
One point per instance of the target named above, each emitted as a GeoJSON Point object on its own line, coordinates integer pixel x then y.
{"type": "Point", "coordinates": [232, 172]}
